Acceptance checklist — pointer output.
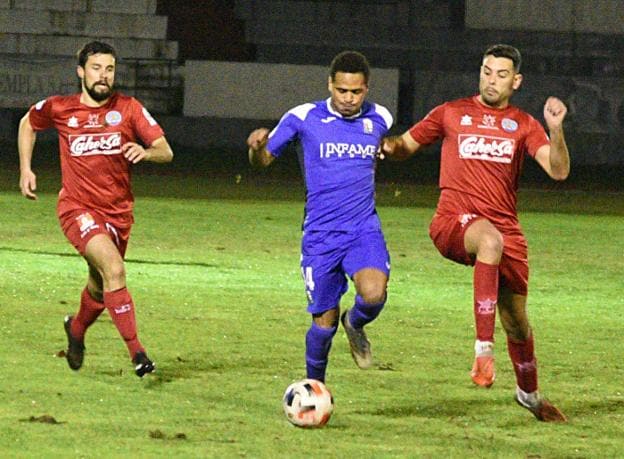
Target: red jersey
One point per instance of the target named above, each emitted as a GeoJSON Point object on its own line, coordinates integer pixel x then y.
{"type": "Point", "coordinates": [95, 173]}
{"type": "Point", "coordinates": [483, 149]}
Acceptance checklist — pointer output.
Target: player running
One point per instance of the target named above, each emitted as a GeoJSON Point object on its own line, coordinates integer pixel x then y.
{"type": "Point", "coordinates": [341, 230]}
{"type": "Point", "coordinates": [98, 132]}
{"type": "Point", "coordinates": [484, 142]}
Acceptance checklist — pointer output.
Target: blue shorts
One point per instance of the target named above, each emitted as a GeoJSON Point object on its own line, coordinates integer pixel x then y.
{"type": "Point", "coordinates": [327, 258]}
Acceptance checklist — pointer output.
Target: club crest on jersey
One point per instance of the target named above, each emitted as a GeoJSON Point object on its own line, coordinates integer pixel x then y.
{"type": "Point", "coordinates": [509, 125]}
{"type": "Point", "coordinates": [367, 124]}
{"type": "Point", "coordinates": [486, 148]}
{"type": "Point", "coordinates": [93, 121]}
{"type": "Point", "coordinates": [488, 122]}
{"type": "Point", "coordinates": [72, 122]}
{"type": "Point", "coordinates": [113, 118]}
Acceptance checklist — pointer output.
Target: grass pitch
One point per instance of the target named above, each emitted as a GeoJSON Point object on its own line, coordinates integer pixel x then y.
{"type": "Point", "coordinates": [213, 266]}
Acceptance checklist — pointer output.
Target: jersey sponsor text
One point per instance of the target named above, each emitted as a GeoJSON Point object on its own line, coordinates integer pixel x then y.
{"type": "Point", "coordinates": [95, 144]}
{"type": "Point", "coordinates": [487, 148]}
{"type": "Point", "coordinates": [351, 150]}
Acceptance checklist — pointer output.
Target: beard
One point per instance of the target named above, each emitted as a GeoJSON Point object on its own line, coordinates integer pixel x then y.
{"type": "Point", "coordinates": [96, 95]}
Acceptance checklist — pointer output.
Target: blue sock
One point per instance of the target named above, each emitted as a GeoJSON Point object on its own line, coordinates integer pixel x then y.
{"type": "Point", "coordinates": [318, 344]}
{"type": "Point", "coordinates": [362, 313]}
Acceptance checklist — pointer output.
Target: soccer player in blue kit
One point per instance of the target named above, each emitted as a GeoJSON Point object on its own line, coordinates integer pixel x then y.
{"type": "Point", "coordinates": [342, 234]}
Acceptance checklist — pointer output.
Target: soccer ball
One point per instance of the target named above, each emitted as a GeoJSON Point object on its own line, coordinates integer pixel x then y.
{"type": "Point", "coordinates": [308, 403]}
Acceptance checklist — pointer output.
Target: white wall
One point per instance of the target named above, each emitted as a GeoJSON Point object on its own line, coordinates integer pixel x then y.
{"type": "Point", "coordinates": [266, 91]}
{"type": "Point", "coordinates": [597, 16]}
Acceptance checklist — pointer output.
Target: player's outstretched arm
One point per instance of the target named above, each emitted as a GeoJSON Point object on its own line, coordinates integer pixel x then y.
{"type": "Point", "coordinates": [26, 137]}
{"type": "Point", "coordinates": [555, 158]}
{"type": "Point", "coordinates": [259, 156]}
{"type": "Point", "coordinates": [398, 147]}
{"type": "Point", "coordinates": [158, 152]}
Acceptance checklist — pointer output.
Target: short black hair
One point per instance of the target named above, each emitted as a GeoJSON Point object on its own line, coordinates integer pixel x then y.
{"type": "Point", "coordinates": [349, 62]}
{"type": "Point", "coordinates": [507, 51]}
{"type": "Point", "coordinates": [94, 47]}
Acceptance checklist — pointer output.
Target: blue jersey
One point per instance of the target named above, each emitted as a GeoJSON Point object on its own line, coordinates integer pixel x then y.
{"type": "Point", "coordinates": [338, 162]}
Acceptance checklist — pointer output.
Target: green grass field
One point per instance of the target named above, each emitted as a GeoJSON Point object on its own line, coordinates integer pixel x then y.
{"type": "Point", "coordinates": [213, 266]}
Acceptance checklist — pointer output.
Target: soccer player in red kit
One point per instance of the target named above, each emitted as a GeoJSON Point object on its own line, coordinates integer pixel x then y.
{"type": "Point", "coordinates": [484, 142]}
{"type": "Point", "coordinates": [101, 134]}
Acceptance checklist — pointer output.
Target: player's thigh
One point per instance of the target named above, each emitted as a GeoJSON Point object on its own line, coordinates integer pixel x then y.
{"type": "Point", "coordinates": [483, 240]}
{"type": "Point", "coordinates": [81, 225]}
{"type": "Point", "coordinates": [514, 264]}
{"type": "Point", "coordinates": [102, 253]}
{"type": "Point", "coordinates": [368, 255]}
{"type": "Point", "coordinates": [325, 281]}
{"type": "Point", "coordinates": [447, 231]}
{"type": "Point", "coordinates": [367, 262]}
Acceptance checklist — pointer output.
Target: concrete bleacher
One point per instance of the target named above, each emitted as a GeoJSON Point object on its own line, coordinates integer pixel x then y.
{"type": "Point", "coordinates": [580, 59]}
{"type": "Point", "coordinates": [40, 40]}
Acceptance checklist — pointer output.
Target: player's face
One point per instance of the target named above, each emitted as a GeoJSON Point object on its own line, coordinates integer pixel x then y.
{"type": "Point", "coordinates": [98, 76]}
{"type": "Point", "coordinates": [348, 92]}
{"type": "Point", "coordinates": [497, 81]}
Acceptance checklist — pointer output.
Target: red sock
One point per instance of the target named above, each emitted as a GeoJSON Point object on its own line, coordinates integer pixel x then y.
{"type": "Point", "coordinates": [485, 299]}
{"type": "Point", "coordinates": [121, 309]}
{"type": "Point", "coordinates": [90, 310]}
{"type": "Point", "coordinates": [524, 363]}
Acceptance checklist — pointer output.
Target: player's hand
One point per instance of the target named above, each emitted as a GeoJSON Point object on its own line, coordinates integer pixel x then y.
{"type": "Point", "coordinates": [258, 138]}
{"type": "Point", "coordinates": [28, 184]}
{"type": "Point", "coordinates": [134, 152]}
{"type": "Point", "coordinates": [386, 148]}
{"type": "Point", "coordinates": [554, 112]}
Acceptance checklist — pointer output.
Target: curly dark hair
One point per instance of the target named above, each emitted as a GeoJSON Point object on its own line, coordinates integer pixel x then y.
{"type": "Point", "coordinates": [350, 62]}
{"type": "Point", "coordinates": [94, 47]}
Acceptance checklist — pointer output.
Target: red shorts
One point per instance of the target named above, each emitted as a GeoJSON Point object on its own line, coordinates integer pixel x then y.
{"type": "Point", "coordinates": [80, 225]}
{"type": "Point", "coordinates": [447, 233]}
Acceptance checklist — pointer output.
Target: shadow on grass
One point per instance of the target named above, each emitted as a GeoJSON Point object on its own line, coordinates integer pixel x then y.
{"type": "Point", "coordinates": [440, 408]}
{"type": "Point", "coordinates": [127, 260]}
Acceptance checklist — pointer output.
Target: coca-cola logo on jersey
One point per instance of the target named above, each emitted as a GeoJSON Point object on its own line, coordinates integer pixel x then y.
{"type": "Point", "coordinates": [488, 148]}
{"type": "Point", "coordinates": [108, 143]}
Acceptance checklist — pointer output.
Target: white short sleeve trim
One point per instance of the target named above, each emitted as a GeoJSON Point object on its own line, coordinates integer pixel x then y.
{"type": "Point", "coordinates": [385, 114]}
{"type": "Point", "coordinates": [300, 111]}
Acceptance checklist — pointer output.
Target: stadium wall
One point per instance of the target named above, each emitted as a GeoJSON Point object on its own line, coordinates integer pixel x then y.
{"type": "Point", "coordinates": [581, 16]}
{"type": "Point", "coordinates": [266, 91]}
{"type": "Point", "coordinates": [224, 101]}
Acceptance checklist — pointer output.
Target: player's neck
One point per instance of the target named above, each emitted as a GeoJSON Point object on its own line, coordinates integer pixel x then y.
{"type": "Point", "coordinates": [501, 106]}
{"type": "Point", "coordinates": [87, 100]}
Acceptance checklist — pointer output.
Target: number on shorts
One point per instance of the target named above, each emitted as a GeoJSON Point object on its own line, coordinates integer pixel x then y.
{"type": "Point", "coordinates": [307, 277]}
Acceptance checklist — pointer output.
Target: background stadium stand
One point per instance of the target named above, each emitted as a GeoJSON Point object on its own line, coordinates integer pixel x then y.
{"type": "Point", "coordinates": [39, 40]}
{"type": "Point", "coordinates": [573, 49]}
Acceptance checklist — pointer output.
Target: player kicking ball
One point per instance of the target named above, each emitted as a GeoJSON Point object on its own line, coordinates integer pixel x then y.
{"type": "Point", "coordinates": [342, 235]}
{"type": "Point", "coordinates": [484, 142]}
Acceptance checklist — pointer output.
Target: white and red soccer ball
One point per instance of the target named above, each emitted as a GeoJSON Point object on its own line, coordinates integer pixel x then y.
{"type": "Point", "coordinates": [308, 403]}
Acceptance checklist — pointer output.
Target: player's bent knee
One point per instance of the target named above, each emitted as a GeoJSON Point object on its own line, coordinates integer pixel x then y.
{"type": "Point", "coordinates": [327, 319]}
{"type": "Point", "coordinates": [373, 296]}
{"type": "Point", "coordinates": [490, 248]}
{"type": "Point", "coordinates": [115, 273]}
